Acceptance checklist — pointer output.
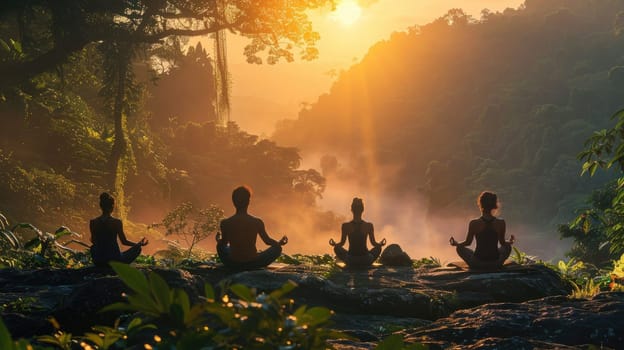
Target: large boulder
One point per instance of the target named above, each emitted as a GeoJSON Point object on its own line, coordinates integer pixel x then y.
{"type": "Point", "coordinates": [559, 321]}
{"type": "Point", "coordinates": [393, 255]}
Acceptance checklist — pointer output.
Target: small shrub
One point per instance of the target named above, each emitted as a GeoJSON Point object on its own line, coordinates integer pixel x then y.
{"type": "Point", "coordinates": [586, 291]}
{"type": "Point", "coordinates": [191, 224]}
{"type": "Point", "coordinates": [616, 276]}
{"type": "Point", "coordinates": [521, 258]}
{"type": "Point", "coordinates": [429, 262]}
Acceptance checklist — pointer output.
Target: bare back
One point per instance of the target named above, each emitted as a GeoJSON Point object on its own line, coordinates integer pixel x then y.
{"type": "Point", "coordinates": [357, 232]}
{"type": "Point", "coordinates": [488, 232]}
{"type": "Point", "coordinates": [240, 231]}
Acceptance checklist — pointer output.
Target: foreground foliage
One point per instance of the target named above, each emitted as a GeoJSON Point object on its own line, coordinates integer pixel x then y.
{"type": "Point", "coordinates": [162, 317]}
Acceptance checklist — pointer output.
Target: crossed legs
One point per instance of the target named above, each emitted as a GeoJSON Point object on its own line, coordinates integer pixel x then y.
{"type": "Point", "coordinates": [467, 255]}
{"type": "Point", "coordinates": [355, 260]}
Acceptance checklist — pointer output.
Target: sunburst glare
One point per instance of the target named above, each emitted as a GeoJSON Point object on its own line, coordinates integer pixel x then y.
{"type": "Point", "coordinates": [347, 12]}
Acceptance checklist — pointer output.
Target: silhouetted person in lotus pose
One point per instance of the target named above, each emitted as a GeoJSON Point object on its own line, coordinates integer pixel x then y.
{"type": "Point", "coordinates": [104, 232]}
{"type": "Point", "coordinates": [236, 245]}
{"type": "Point", "coordinates": [488, 231]}
{"type": "Point", "coordinates": [357, 231]}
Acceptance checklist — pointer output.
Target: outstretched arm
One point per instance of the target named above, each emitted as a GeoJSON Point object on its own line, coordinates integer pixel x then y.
{"type": "Point", "coordinates": [265, 236]}
{"type": "Point", "coordinates": [469, 237]}
{"type": "Point", "coordinates": [501, 235]}
{"type": "Point", "coordinates": [124, 240]}
{"type": "Point", "coordinates": [343, 237]}
{"type": "Point", "coordinates": [371, 237]}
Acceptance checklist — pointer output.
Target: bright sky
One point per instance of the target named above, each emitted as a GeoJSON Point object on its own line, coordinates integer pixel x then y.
{"type": "Point", "coordinates": [264, 94]}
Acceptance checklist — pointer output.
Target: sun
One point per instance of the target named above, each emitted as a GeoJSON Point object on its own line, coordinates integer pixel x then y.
{"type": "Point", "coordinates": [347, 12]}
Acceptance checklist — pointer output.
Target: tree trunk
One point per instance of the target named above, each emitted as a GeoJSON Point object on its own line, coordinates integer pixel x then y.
{"type": "Point", "coordinates": [119, 146]}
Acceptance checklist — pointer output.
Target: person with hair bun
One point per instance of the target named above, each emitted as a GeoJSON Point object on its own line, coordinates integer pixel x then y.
{"type": "Point", "coordinates": [105, 230]}
{"type": "Point", "coordinates": [357, 231]}
{"type": "Point", "coordinates": [489, 232]}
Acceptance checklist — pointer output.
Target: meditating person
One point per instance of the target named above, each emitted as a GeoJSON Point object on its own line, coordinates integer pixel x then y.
{"type": "Point", "coordinates": [105, 230]}
{"type": "Point", "coordinates": [488, 231]}
{"type": "Point", "coordinates": [357, 231]}
{"type": "Point", "coordinates": [236, 245]}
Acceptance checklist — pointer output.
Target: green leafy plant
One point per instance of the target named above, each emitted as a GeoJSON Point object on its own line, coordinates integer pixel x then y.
{"type": "Point", "coordinates": [241, 319]}
{"type": "Point", "coordinates": [191, 224]}
{"type": "Point", "coordinates": [616, 276]}
{"type": "Point", "coordinates": [44, 249]}
{"type": "Point", "coordinates": [586, 291]}
{"type": "Point", "coordinates": [520, 257]}
{"type": "Point", "coordinates": [429, 262]}
{"type": "Point", "coordinates": [575, 270]}
{"type": "Point", "coordinates": [19, 305]}
{"type": "Point", "coordinates": [164, 318]}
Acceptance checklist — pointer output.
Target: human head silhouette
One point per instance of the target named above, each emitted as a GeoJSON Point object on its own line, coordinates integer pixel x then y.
{"type": "Point", "coordinates": [240, 197]}
{"type": "Point", "coordinates": [107, 202]}
{"type": "Point", "coordinates": [487, 201]}
{"type": "Point", "coordinates": [357, 206]}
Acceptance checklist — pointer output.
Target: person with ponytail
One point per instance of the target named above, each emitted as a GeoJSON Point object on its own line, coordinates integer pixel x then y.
{"type": "Point", "coordinates": [489, 232]}
{"type": "Point", "coordinates": [357, 231]}
{"type": "Point", "coordinates": [105, 230]}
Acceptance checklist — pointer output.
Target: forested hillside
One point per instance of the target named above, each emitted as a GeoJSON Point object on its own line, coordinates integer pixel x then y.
{"type": "Point", "coordinates": [501, 102]}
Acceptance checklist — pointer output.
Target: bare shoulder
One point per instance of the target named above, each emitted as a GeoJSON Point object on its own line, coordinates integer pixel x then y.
{"type": "Point", "coordinates": [474, 222]}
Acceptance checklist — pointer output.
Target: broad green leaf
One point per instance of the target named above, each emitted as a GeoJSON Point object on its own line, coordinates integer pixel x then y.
{"type": "Point", "coordinates": [160, 291]}
{"type": "Point", "coordinates": [618, 114]}
{"type": "Point", "coordinates": [285, 289]}
{"type": "Point", "coordinates": [145, 304]}
{"type": "Point", "coordinates": [242, 292]}
{"type": "Point", "coordinates": [10, 237]}
{"type": "Point", "coordinates": [182, 299]}
{"type": "Point", "coordinates": [95, 339]}
{"type": "Point", "coordinates": [17, 46]}
{"type": "Point", "coordinates": [32, 243]}
{"type": "Point", "coordinates": [317, 315]}
{"type": "Point", "coordinates": [132, 277]}
{"type": "Point", "coordinates": [392, 342]}
{"type": "Point", "coordinates": [137, 321]}
{"type": "Point", "coordinates": [5, 46]}
{"type": "Point", "coordinates": [4, 223]}
{"type": "Point", "coordinates": [209, 292]}
{"type": "Point", "coordinates": [6, 342]}
{"type": "Point", "coordinates": [62, 231]}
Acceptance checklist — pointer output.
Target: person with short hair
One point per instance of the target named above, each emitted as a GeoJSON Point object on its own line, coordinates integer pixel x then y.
{"type": "Point", "coordinates": [357, 231]}
{"type": "Point", "coordinates": [105, 230]}
{"type": "Point", "coordinates": [236, 244]}
{"type": "Point", "coordinates": [489, 232]}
